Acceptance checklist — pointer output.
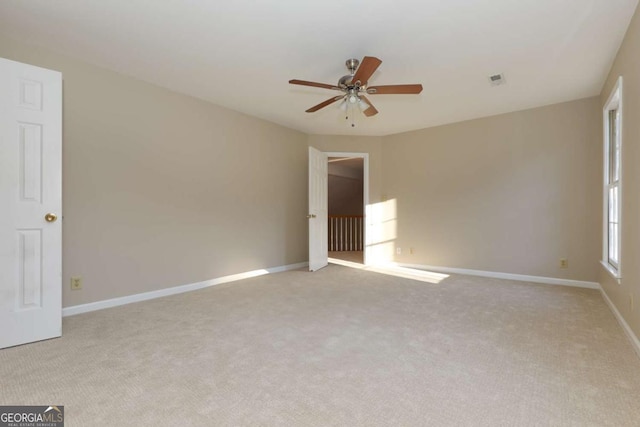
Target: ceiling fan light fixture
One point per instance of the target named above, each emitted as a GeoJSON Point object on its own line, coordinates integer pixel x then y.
{"type": "Point", "coordinates": [354, 87]}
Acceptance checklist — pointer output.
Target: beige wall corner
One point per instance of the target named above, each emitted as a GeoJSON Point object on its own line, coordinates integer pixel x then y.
{"type": "Point", "coordinates": [626, 294]}
{"type": "Point", "coordinates": [513, 193]}
{"type": "Point", "coordinates": [161, 189]}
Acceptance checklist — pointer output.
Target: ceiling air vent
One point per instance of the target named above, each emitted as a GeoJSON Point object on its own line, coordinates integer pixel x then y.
{"type": "Point", "coordinates": [497, 79]}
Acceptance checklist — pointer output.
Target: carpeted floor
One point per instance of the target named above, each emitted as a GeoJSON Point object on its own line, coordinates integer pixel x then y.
{"type": "Point", "coordinates": [339, 347]}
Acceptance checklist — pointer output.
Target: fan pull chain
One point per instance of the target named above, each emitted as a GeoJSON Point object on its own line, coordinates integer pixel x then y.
{"type": "Point", "coordinates": [350, 109]}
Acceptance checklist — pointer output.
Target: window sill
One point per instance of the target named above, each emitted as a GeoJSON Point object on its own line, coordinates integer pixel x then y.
{"type": "Point", "coordinates": [612, 271]}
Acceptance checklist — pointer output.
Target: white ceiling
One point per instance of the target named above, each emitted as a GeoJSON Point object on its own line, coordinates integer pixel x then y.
{"type": "Point", "coordinates": [240, 54]}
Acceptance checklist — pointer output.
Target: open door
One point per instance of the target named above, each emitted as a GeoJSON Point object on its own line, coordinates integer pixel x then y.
{"type": "Point", "coordinates": [30, 203]}
{"type": "Point", "coordinates": [318, 211]}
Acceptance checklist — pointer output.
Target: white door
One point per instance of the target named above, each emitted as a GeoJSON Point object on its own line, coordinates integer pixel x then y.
{"type": "Point", "coordinates": [318, 211]}
{"type": "Point", "coordinates": [30, 203]}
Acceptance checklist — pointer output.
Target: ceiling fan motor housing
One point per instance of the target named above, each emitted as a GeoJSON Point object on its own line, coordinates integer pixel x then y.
{"type": "Point", "coordinates": [345, 82]}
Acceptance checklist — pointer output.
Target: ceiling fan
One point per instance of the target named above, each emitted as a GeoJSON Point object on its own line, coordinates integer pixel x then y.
{"type": "Point", "coordinates": [354, 87]}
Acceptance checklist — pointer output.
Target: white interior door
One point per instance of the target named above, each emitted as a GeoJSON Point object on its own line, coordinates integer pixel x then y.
{"type": "Point", "coordinates": [318, 210]}
{"type": "Point", "coordinates": [30, 203]}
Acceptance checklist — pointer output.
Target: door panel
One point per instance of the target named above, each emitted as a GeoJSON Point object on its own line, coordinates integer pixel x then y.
{"type": "Point", "coordinates": [318, 210]}
{"type": "Point", "coordinates": [30, 188]}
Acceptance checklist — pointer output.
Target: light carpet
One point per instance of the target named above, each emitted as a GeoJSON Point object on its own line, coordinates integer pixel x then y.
{"type": "Point", "coordinates": [339, 347]}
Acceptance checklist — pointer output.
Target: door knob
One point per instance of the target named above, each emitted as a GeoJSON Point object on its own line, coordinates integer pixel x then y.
{"type": "Point", "coordinates": [50, 217]}
{"type": "Point", "coordinates": [311, 216]}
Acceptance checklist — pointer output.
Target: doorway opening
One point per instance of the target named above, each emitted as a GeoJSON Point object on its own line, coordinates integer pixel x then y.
{"type": "Point", "coordinates": [347, 198]}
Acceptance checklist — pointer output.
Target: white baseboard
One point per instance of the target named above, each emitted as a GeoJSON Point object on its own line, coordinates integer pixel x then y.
{"type": "Point", "coordinates": [635, 343]}
{"type": "Point", "coordinates": [114, 302]}
{"type": "Point", "coordinates": [508, 276]}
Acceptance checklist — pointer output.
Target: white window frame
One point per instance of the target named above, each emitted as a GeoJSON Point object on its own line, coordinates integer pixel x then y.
{"type": "Point", "coordinates": [613, 103]}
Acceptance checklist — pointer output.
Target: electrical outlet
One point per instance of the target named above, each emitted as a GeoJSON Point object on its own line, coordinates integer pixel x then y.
{"type": "Point", "coordinates": [564, 263]}
{"type": "Point", "coordinates": [398, 251]}
{"type": "Point", "coordinates": [76, 283]}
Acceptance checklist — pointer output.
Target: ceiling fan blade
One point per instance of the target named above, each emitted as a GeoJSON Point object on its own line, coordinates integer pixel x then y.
{"type": "Point", "coordinates": [313, 84]}
{"type": "Point", "coordinates": [367, 67]}
{"type": "Point", "coordinates": [324, 104]}
{"type": "Point", "coordinates": [371, 111]}
{"type": "Point", "coordinates": [394, 89]}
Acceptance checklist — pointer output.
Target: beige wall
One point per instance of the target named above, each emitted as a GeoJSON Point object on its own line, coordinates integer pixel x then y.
{"type": "Point", "coordinates": [345, 195]}
{"type": "Point", "coordinates": [627, 65]}
{"type": "Point", "coordinates": [161, 189]}
{"type": "Point", "coordinates": [511, 193]}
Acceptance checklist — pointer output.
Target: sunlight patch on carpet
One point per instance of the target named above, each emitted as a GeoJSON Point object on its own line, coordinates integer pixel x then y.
{"type": "Point", "coordinates": [394, 270]}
